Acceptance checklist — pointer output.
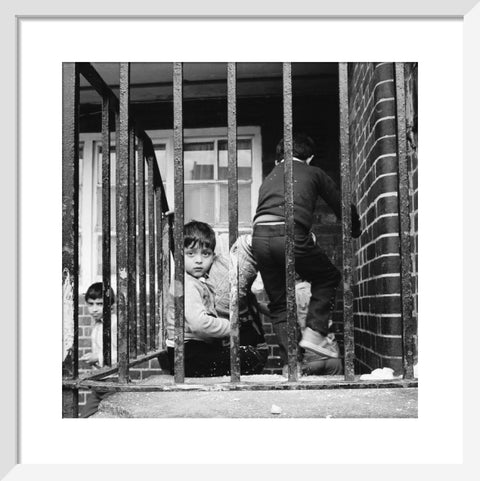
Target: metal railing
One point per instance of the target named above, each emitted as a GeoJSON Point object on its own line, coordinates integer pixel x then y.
{"type": "Point", "coordinates": [133, 347]}
{"type": "Point", "coordinates": [165, 236]}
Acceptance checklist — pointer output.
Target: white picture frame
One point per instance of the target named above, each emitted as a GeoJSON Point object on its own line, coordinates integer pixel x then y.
{"type": "Point", "coordinates": [11, 467]}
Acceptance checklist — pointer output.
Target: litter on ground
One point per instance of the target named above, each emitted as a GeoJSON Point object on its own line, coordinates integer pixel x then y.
{"type": "Point", "coordinates": [276, 409]}
{"type": "Point", "coordinates": [383, 373]}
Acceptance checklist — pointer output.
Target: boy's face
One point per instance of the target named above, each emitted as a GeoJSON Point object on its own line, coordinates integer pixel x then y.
{"type": "Point", "coordinates": [95, 308]}
{"type": "Point", "coordinates": [198, 260]}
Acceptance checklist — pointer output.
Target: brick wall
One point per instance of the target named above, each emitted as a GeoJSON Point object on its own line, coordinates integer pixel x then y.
{"type": "Point", "coordinates": [376, 277]}
{"type": "Point", "coordinates": [274, 364]}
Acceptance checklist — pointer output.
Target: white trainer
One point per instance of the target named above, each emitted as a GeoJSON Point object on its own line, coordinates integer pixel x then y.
{"type": "Point", "coordinates": [314, 341]}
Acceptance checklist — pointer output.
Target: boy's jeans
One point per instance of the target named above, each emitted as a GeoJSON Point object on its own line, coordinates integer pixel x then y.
{"type": "Point", "coordinates": [311, 263]}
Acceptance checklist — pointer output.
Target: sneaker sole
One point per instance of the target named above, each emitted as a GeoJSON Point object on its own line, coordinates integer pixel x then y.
{"type": "Point", "coordinates": [318, 349]}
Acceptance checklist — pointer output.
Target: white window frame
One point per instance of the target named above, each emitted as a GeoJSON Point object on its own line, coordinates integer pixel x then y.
{"type": "Point", "coordinates": [88, 208]}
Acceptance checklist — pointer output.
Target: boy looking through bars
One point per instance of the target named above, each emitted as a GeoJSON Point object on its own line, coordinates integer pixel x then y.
{"type": "Point", "coordinates": [206, 352]}
{"type": "Point", "coordinates": [94, 300]}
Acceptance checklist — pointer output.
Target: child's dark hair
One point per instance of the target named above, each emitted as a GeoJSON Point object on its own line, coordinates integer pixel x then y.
{"type": "Point", "coordinates": [95, 291]}
{"type": "Point", "coordinates": [303, 147]}
{"type": "Point", "coordinates": [196, 233]}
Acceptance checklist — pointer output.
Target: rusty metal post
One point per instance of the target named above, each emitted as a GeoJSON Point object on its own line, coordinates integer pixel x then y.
{"type": "Point", "coordinates": [123, 150]}
{"type": "Point", "coordinates": [160, 320]}
{"type": "Point", "coordinates": [233, 218]}
{"type": "Point", "coordinates": [289, 222]}
{"type": "Point", "coordinates": [179, 284]}
{"type": "Point", "coordinates": [142, 259]}
{"type": "Point", "coordinates": [404, 218]}
{"type": "Point", "coordinates": [166, 269]}
{"type": "Point", "coordinates": [132, 247]}
{"type": "Point", "coordinates": [151, 249]}
{"type": "Point", "coordinates": [106, 226]}
{"type": "Point", "coordinates": [70, 202]}
{"type": "Point", "coordinates": [349, 344]}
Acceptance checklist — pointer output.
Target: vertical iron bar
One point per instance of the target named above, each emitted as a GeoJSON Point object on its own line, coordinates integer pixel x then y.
{"type": "Point", "coordinates": [159, 251]}
{"type": "Point", "coordinates": [122, 222]}
{"type": "Point", "coordinates": [151, 250]}
{"type": "Point", "coordinates": [349, 344]}
{"type": "Point", "coordinates": [132, 247]}
{"type": "Point", "coordinates": [289, 222]}
{"type": "Point", "coordinates": [404, 217]}
{"type": "Point", "coordinates": [142, 266]}
{"type": "Point", "coordinates": [233, 217]}
{"type": "Point", "coordinates": [106, 226]}
{"type": "Point", "coordinates": [70, 202]}
{"type": "Point", "coordinates": [117, 153]}
{"type": "Point", "coordinates": [179, 286]}
{"type": "Point", "coordinates": [166, 269]}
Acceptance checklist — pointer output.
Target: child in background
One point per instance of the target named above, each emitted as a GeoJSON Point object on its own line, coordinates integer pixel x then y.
{"type": "Point", "coordinates": [206, 351]}
{"type": "Point", "coordinates": [94, 300]}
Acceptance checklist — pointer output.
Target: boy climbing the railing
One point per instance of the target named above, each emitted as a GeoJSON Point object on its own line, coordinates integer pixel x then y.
{"type": "Point", "coordinates": [311, 263]}
{"type": "Point", "coordinates": [206, 350]}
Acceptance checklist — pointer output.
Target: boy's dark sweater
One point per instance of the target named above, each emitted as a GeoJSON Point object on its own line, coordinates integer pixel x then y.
{"type": "Point", "coordinates": [308, 184]}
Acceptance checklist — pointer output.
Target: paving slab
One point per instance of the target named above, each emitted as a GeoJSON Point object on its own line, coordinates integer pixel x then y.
{"type": "Point", "coordinates": [381, 402]}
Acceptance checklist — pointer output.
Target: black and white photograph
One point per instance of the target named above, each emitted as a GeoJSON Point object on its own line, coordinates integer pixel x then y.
{"type": "Point", "coordinates": [220, 250]}
{"type": "Point", "coordinates": [246, 246]}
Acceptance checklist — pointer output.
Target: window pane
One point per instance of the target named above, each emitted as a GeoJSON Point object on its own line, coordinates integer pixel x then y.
{"type": "Point", "coordinates": [244, 159]}
{"type": "Point", "coordinates": [80, 180]}
{"type": "Point", "coordinates": [113, 199]}
{"type": "Point", "coordinates": [161, 154]}
{"type": "Point", "coordinates": [200, 202]}
{"type": "Point", "coordinates": [80, 159]}
{"type": "Point", "coordinates": [113, 202]}
{"type": "Point", "coordinates": [244, 203]}
{"type": "Point", "coordinates": [199, 161]}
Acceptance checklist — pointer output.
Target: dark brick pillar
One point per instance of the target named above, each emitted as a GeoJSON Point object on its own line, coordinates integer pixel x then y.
{"type": "Point", "coordinates": [377, 306]}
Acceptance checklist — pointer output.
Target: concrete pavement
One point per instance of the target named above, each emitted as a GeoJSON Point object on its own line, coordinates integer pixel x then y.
{"type": "Point", "coordinates": [381, 402]}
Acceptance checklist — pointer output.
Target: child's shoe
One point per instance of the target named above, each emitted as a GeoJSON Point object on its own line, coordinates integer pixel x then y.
{"type": "Point", "coordinates": [315, 342]}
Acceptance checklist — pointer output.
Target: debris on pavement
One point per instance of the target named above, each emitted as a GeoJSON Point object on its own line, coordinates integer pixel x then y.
{"type": "Point", "coordinates": [276, 409]}
{"type": "Point", "coordinates": [383, 373]}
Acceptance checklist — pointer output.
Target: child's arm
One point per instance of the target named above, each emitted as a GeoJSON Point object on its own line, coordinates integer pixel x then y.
{"type": "Point", "coordinates": [356, 225]}
{"type": "Point", "coordinates": [329, 192]}
{"type": "Point", "coordinates": [331, 195]}
{"type": "Point", "coordinates": [199, 320]}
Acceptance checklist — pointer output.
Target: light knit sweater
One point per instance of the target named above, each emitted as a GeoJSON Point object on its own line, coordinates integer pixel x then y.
{"type": "Point", "coordinates": [201, 321]}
